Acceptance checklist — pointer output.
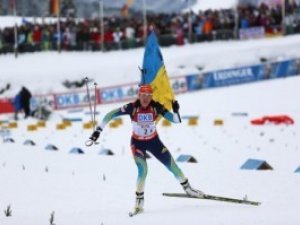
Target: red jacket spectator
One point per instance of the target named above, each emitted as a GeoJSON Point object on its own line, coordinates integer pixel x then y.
{"type": "Point", "coordinates": [37, 35]}
{"type": "Point", "coordinates": [108, 37]}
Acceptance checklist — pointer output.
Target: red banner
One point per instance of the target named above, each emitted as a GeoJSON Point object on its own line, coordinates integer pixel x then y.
{"type": "Point", "coordinates": [6, 106]}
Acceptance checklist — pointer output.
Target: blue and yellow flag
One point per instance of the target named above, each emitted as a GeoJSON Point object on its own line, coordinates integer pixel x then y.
{"type": "Point", "coordinates": [155, 74]}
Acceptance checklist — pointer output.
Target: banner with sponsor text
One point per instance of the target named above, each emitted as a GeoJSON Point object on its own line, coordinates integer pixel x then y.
{"type": "Point", "coordinates": [181, 84]}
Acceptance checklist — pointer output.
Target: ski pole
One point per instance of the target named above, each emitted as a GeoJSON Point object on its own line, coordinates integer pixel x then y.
{"type": "Point", "coordinates": [89, 100]}
{"type": "Point", "coordinates": [95, 105]}
{"type": "Point", "coordinates": [179, 117]}
{"type": "Point", "coordinates": [89, 142]}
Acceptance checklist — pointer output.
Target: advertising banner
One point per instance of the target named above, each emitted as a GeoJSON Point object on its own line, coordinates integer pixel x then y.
{"type": "Point", "coordinates": [252, 33]}
{"type": "Point", "coordinates": [234, 76]}
{"type": "Point", "coordinates": [195, 82]}
{"type": "Point", "coordinates": [282, 69]}
{"type": "Point", "coordinates": [118, 93]}
{"type": "Point", "coordinates": [6, 106]}
{"type": "Point", "coordinates": [293, 68]}
{"type": "Point", "coordinates": [179, 84]}
{"type": "Point", "coordinates": [182, 84]}
{"type": "Point", "coordinates": [129, 92]}
{"type": "Point", "coordinates": [42, 100]}
{"type": "Point", "coordinates": [73, 100]}
{"type": "Point", "coordinates": [241, 75]}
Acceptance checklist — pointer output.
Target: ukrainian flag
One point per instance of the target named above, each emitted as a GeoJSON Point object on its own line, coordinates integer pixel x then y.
{"type": "Point", "coordinates": [154, 73]}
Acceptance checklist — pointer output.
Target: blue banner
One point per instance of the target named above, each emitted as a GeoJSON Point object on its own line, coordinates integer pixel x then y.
{"type": "Point", "coordinates": [293, 68]}
{"type": "Point", "coordinates": [195, 82]}
{"type": "Point", "coordinates": [73, 100]}
{"type": "Point", "coordinates": [242, 75]}
{"type": "Point", "coordinates": [234, 76]}
{"type": "Point", "coordinates": [118, 94]}
{"type": "Point", "coordinates": [280, 69]}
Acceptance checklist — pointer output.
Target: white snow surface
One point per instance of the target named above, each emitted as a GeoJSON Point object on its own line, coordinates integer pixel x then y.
{"type": "Point", "coordinates": [118, 67]}
{"type": "Point", "coordinates": [75, 189]}
{"type": "Point", "coordinates": [94, 189]}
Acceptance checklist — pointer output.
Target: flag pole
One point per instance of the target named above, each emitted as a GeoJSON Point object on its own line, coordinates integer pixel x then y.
{"type": "Point", "coordinates": [189, 21]}
{"type": "Point", "coordinates": [101, 18]}
{"type": "Point", "coordinates": [145, 21]}
{"type": "Point", "coordinates": [15, 28]}
{"type": "Point", "coordinates": [58, 28]}
{"type": "Point", "coordinates": [283, 17]}
{"type": "Point", "coordinates": [236, 19]}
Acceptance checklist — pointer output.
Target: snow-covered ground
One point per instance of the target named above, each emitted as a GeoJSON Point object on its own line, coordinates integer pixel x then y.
{"type": "Point", "coordinates": [94, 189]}
{"type": "Point", "coordinates": [38, 70]}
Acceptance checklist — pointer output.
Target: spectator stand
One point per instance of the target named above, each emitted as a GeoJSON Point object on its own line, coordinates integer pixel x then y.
{"type": "Point", "coordinates": [126, 32]}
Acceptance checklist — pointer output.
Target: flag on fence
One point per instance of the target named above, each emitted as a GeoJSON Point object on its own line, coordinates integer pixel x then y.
{"type": "Point", "coordinates": [125, 8]}
{"type": "Point", "coordinates": [54, 7]}
{"type": "Point", "coordinates": [155, 74]}
{"type": "Point", "coordinates": [129, 2]}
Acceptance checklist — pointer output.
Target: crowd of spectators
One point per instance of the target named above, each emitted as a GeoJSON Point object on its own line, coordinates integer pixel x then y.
{"type": "Point", "coordinates": [128, 32]}
{"type": "Point", "coordinates": [292, 18]}
{"type": "Point", "coordinates": [270, 17]}
{"type": "Point", "coordinates": [264, 15]}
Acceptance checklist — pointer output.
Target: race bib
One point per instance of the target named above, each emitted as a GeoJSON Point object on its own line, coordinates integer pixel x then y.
{"type": "Point", "coordinates": [145, 125]}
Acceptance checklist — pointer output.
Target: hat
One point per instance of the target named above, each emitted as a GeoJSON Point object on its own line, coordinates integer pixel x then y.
{"type": "Point", "coordinates": [145, 88]}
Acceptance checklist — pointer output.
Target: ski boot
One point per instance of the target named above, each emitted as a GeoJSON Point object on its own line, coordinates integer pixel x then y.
{"type": "Point", "coordinates": [191, 191]}
{"type": "Point", "coordinates": [139, 204]}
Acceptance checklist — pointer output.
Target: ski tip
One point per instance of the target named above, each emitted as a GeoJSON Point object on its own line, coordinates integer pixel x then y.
{"type": "Point", "coordinates": [135, 212]}
{"type": "Point", "coordinates": [89, 143]}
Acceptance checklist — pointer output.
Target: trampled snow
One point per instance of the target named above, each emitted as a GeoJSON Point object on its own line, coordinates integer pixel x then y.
{"type": "Point", "coordinates": [95, 189]}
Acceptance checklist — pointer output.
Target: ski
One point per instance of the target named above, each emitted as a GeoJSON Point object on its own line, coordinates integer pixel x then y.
{"type": "Point", "coordinates": [215, 198]}
{"type": "Point", "coordinates": [135, 212]}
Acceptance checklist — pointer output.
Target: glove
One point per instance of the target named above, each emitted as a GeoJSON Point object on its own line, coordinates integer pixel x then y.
{"type": "Point", "coordinates": [175, 106]}
{"type": "Point", "coordinates": [96, 134]}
